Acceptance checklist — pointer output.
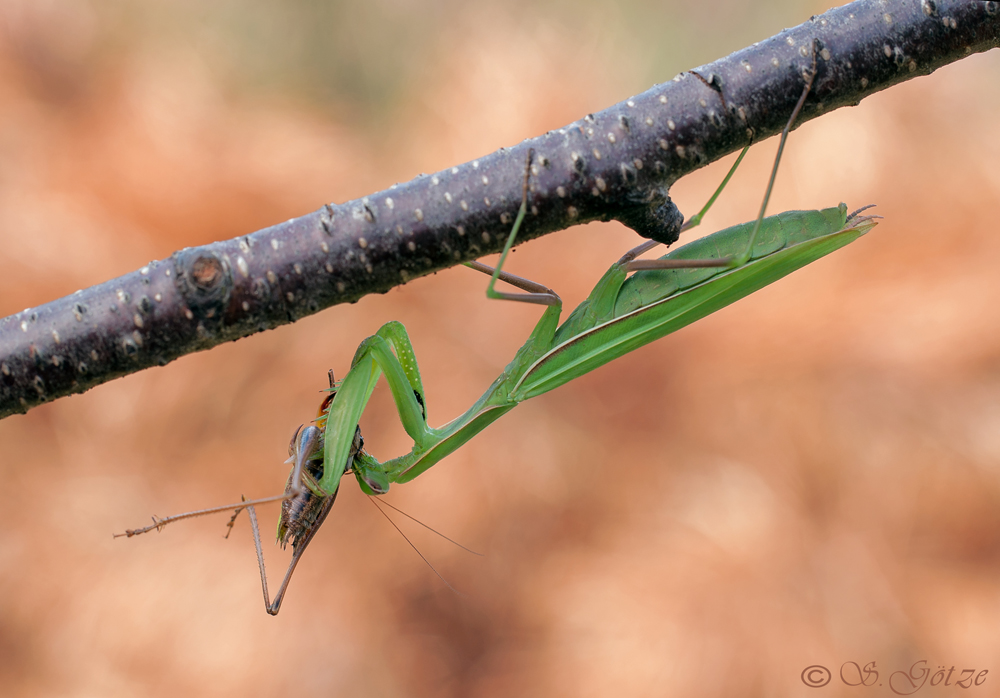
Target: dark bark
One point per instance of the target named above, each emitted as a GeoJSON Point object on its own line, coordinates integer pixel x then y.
{"type": "Point", "coordinates": [616, 164]}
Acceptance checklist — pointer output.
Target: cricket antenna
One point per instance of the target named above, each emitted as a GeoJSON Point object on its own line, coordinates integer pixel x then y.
{"type": "Point", "coordinates": [415, 549]}
{"type": "Point", "coordinates": [436, 532]}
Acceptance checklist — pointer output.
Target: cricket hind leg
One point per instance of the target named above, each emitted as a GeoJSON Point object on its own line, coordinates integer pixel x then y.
{"type": "Point", "coordinates": [629, 260]}
{"type": "Point", "coordinates": [299, 547]}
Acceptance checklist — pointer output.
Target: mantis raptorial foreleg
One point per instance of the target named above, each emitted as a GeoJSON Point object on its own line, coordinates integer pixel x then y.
{"type": "Point", "coordinates": [387, 352]}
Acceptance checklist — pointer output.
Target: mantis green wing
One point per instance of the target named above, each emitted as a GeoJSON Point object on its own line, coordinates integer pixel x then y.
{"type": "Point", "coordinates": [652, 304]}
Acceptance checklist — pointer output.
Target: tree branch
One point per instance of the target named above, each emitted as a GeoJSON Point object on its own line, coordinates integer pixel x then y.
{"type": "Point", "coordinates": [616, 164]}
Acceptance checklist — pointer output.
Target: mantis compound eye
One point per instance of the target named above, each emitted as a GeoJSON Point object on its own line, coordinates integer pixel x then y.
{"type": "Point", "coordinates": [374, 483]}
{"type": "Point", "coordinates": [371, 479]}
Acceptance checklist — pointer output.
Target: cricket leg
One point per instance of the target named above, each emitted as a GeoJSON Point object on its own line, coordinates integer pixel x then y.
{"type": "Point", "coordinates": [306, 442]}
{"type": "Point", "coordinates": [298, 548]}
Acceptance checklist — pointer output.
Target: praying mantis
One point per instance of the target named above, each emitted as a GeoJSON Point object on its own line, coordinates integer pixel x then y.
{"type": "Point", "coordinates": [634, 303]}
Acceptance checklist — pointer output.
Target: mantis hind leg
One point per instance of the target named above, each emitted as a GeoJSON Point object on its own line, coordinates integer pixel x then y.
{"type": "Point", "coordinates": [535, 293]}
{"type": "Point", "coordinates": [629, 260]}
{"type": "Point", "coordinates": [632, 264]}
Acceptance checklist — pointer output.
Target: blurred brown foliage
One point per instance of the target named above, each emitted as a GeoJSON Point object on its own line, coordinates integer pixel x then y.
{"type": "Point", "coordinates": [809, 477]}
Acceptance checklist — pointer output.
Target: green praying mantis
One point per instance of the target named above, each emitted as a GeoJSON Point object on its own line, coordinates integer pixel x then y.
{"type": "Point", "coordinates": [634, 303]}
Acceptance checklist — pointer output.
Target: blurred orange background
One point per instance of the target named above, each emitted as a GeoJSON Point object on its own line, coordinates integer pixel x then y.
{"type": "Point", "coordinates": [811, 476]}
